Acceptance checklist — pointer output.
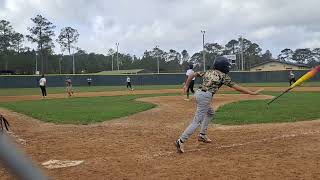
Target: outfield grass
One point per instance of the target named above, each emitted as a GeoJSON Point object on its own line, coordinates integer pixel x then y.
{"type": "Point", "coordinates": [289, 108]}
{"type": "Point", "coordinates": [294, 106]}
{"type": "Point", "coordinates": [81, 110]}
{"type": "Point", "coordinates": [58, 90]}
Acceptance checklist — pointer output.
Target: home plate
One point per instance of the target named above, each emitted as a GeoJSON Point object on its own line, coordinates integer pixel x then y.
{"type": "Point", "coordinates": [54, 164]}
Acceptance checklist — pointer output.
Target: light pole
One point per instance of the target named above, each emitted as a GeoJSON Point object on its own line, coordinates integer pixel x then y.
{"type": "Point", "coordinates": [203, 52]}
{"type": "Point", "coordinates": [60, 59]}
{"type": "Point", "coordinates": [117, 44]}
{"type": "Point", "coordinates": [158, 64]}
{"type": "Point", "coordinates": [111, 53]}
{"type": "Point", "coordinates": [112, 61]}
{"type": "Point", "coordinates": [36, 63]}
{"type": "Point", "coordinates": [241, 47]}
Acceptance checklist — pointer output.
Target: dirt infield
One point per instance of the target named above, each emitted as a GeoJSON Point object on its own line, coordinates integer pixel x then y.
{"type": "Point", "coordinates": [141, 146]}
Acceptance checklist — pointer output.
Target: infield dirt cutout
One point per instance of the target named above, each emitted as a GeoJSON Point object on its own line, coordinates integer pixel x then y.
{"type": "Point", "coordinates": [141, 146]}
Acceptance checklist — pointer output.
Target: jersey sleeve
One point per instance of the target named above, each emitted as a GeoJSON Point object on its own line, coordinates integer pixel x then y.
{"type": "Point", "coordinates": [228, 82]}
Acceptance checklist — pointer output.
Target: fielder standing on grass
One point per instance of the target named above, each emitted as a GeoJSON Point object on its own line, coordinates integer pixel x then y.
{"type": "Point", "coordinates": [129, 83]}
{"type": "Point", "coordinates": [69, 87]}
{"type": "Point", "coordinates": [89, 80]}
{"type": "Point", "coordinates": [292, 78]}
{"type": "Point", "coordinates": [191, 85]}
{"type": "Point", "coordinates": [42, 84]}
{"type": "Point", "coordinates": [213, 79]}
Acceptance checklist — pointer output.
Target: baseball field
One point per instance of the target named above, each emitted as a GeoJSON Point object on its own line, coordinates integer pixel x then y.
{"type": "Point", "coordinates": [114, 133]}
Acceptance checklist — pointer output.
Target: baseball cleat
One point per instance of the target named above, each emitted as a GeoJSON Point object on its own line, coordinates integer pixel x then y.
{"type": "Point", "coordinates": [204, 139]}
{"type": "Point", "coordinates": [179, 146]}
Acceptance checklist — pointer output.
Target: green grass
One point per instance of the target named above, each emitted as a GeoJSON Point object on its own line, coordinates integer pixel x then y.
{"type": "Point", "coordinates": [294, 106]}
{"type": "Point", "coordinates": [289, 108]}
{"type": "Point", "coordinates": [81, 110]}
{"type": "Point", "coordinates": [57, 90]}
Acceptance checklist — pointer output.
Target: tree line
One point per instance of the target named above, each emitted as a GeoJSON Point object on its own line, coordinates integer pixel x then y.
{"type": "Point", "coordinates": [17, 58]}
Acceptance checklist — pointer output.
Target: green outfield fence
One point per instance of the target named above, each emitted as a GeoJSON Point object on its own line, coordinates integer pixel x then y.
{"type": "Point", "coordinates": [17, 81]}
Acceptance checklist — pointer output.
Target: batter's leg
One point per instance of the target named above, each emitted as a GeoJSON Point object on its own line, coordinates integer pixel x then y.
{"type": "Point", "coordinates": [204, 126]}
{"type": "Point", "coordinates": [203, 104]}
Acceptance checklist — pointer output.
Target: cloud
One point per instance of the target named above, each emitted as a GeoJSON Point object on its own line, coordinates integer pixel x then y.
{"type": "Point", "coordinates": [172, 24]}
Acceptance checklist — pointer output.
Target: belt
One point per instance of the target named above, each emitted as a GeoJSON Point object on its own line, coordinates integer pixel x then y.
{"type": "Point", "coordinates": [204, 90]}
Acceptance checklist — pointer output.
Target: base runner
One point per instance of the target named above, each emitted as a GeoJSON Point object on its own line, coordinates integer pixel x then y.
{"type": "Point", "coordinates": [213, 79]}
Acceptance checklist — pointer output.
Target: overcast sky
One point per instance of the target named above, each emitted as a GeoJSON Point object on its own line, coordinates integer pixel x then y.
{"type": "Point", "coordinates": [139, 25]}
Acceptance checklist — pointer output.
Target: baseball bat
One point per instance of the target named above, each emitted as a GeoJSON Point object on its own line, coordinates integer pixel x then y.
{"type": "Point", "coordinates": [304, 78]}
{"type": "Point", "coordinates": [279, 96]}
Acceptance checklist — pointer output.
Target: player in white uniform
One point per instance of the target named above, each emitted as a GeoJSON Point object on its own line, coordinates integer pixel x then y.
{"type": "Point", "coordinates": [42, 84]}
{"type": "Point", "coordinates": [191, 85]}
{"type": "Point", "coordinates": [129, 83]}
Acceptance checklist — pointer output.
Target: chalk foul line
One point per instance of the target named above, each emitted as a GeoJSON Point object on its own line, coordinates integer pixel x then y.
{"type": "Point", "coordinates": [286, 136]}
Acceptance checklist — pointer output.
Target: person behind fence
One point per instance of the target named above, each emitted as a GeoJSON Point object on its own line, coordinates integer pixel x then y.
{"type": "Point", "coordinates": [42, 84]}
{"type": "Point", "coordinates": [292, 78]}
{"type": "Point", "coordinates": [212, 79]}
{"type": "Point", "coordinates": [129, 83]}
{"type": "Point", "coordinates": [191, 85]}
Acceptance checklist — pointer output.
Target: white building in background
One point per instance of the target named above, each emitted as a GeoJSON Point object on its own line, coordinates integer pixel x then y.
{"type": "Point", "coordinates": [274, 65]}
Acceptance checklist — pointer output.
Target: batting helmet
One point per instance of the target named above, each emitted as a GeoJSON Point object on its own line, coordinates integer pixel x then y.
{"type": "Point", "coordinates": [222, 64]}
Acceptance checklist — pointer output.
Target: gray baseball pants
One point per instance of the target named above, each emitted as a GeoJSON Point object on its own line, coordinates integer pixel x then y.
{"type": "Point", "coordinates": [202, 117]}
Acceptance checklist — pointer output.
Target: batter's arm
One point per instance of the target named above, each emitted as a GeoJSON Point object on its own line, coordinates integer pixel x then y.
{"type": "Point", "coordinates": [245, 90]}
